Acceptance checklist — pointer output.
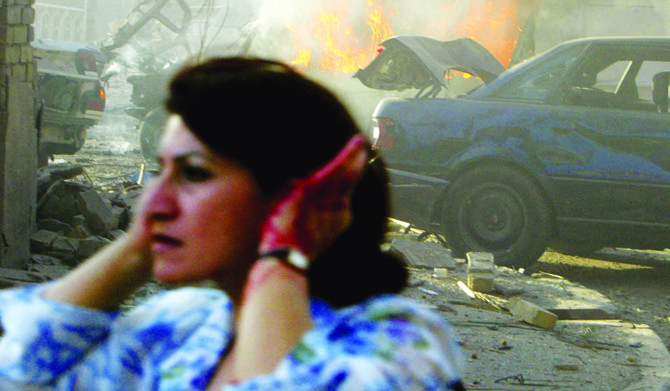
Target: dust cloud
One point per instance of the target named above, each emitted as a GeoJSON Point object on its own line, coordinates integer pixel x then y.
{"type": "Point", "coordinates": [331, 40]}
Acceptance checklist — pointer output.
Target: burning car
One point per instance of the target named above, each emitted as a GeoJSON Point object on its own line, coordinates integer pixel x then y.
{"type": "Point", "coordinates": [71, 95]}
{"type": "Point", "coordinates": [568, 149]}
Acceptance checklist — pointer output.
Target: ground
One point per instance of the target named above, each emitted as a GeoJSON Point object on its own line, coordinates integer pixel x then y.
{"type": "Point", "coordinates": [636, 281]}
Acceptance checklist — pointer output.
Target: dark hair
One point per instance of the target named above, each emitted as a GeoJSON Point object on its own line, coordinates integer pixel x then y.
{"type": "Point", "coordinates": [283, 126]}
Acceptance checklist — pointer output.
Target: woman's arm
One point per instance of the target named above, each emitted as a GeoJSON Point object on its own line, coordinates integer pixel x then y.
{"type": "Point", "coordinates": [275, 307]}
{"type": "Point", "coordinates": [106, 280]}
{"type": "Point", "coordinates": [274, 316]}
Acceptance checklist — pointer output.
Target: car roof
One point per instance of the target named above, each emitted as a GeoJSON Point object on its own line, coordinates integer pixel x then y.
{"type": "Point", "coordinates": [618, 40]}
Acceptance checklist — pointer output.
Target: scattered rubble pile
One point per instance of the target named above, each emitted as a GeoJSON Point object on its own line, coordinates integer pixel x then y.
{"type": "Point", "coordinates": [74, 220]}
{"type": "Point", "coordinates": [519, 332]}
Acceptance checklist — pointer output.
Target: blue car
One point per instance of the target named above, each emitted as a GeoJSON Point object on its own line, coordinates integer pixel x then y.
{"type": "Point", "coordinates": [568, 150]}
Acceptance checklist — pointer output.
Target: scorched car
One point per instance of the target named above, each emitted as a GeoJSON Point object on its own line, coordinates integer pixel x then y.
{"type": "Point", "coordinates": [569, 149]}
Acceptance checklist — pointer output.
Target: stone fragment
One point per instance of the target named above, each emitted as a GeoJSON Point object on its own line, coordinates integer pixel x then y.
{"type": "Point", "coordinates": [507, 288]}
{"type": "Point", "coordinates": [480, 262]}
{"type": "Point", "coordinates": [480, 271]}
{"type": "Point", "coordinates": [64, 244]}
{"type": "Point", "coordinates": [54, 226]}
{"type": "Point", "coordinates": [481, 282]}
{"type": "Point", "coordinates": [532, 313]}
{"type": "Point", "coordinates": [423, 254]}
{"type": "Point", "coordinates": [42, 240]}
{"type": "Point", "coordinates": [98, 213]}
{"type": "Point", "coordinates": [12, 277]}
{"type": "Point", "coordinates": [80, 232]}
{"type": "Point", "coordinates": [91, 245]}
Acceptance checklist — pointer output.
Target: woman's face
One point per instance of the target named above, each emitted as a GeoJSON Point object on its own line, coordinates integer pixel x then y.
{"type": "Point", "coordinates": [203, 211]}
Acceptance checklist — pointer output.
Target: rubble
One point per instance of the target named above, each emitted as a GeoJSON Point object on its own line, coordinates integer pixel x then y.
{"type": "Point", "coordinates": [532, 313]}
{"type": "Point", "coordinates": [481, 271]}
{"type": "Point", "coordinates": [537, 331]}
{"type": "Point", "coordinates": [74, 220]}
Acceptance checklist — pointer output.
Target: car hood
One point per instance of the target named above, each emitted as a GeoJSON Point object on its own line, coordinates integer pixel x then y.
{"type": "Point", "coordinates": [418, 62]}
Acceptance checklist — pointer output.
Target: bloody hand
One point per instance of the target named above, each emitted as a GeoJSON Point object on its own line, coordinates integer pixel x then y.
{"type": "Point", "coordinates": [315, 210]}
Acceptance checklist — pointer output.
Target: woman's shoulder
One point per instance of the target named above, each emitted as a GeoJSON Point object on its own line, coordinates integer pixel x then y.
{"type": "Point", "coordinates": [380, 312]}
{"type": "Point", "coordinates": [179, 307]}
{"type": "Point", "coordinates": [393, 307]}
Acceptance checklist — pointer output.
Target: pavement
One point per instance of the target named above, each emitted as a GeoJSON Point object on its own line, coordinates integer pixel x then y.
{"type": "Point", "coordinates": [586, 347]}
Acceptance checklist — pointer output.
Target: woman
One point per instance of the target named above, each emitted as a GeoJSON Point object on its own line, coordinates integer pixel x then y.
{"type": "Point", "coordinates": [305, 298]}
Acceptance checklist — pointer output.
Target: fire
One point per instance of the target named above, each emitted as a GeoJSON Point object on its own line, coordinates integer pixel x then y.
{"type": "Point", "coordinates": [493, 23]}
{"type": "Point", "coordinates": [339, 45]}
{"type": "Point", "coordinates": [343, 36]}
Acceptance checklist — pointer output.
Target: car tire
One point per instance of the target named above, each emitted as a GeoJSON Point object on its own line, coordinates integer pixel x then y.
{"type": "Point", "coordinates": [151, 129]}
{"type": "Point", "coordinates": [497, 210]}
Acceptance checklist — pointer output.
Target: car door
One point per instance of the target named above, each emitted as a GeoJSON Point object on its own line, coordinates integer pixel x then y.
{"type": "Point", "coordinates": [608, 155]}
{"type": "Point", "coordinates": [607, 160]}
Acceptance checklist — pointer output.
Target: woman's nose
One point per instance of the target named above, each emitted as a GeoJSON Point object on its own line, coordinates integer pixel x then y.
{"type": "Point", "coordinates": [160, 203]}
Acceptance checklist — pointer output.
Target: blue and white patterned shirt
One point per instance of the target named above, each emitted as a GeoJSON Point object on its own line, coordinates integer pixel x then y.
{"type": "Point", "coordinates": [174, 341]}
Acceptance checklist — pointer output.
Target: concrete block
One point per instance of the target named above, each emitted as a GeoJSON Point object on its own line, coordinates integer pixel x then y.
{"type": "Point", "coordinates": [532, 313]}
{"type": "Point", "coordinates": [481, 282]}
{"type": "Point", "coordinates": [480, 271]}
{"type": "Point", "coordinates": [480, 262]}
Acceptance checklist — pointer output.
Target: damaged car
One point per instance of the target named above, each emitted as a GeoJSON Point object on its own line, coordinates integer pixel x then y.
{"type": "Point", "coordinates": [72, 98]}
{"type": "Point", "coordinates": [568, 149]}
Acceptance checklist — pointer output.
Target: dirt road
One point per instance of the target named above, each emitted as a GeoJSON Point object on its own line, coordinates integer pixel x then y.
{"type": "Point", "coordinates": [636, 281]}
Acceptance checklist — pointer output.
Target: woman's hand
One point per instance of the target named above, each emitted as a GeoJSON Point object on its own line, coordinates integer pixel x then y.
{"type": "Point", "coordinates": [315, 210]}
{"type": "Point", "coordinates": [110, 276]}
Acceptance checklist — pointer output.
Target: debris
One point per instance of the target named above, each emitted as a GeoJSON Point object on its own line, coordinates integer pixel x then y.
{"type": "Point", "coordinates": [567, 367]}
{"type": "Point", "coordinates": [481, 271]}
{"type": "Point", "coordinates": [423, 254]}
{"type": "Point", "coordinates": [74, 220]}
{"type": "Point", "coordinates": [466, 289]}
{"type": "Point", "coordinates": [440, 272]}
{"type": "Point", "coordinates": [427, 291]}
{"type": "Point", "coordinates": [507, 289]}
{"type": "Point", "coordinates": [532, 313]}
{"type": "Point", "coordinates": [518, 378]}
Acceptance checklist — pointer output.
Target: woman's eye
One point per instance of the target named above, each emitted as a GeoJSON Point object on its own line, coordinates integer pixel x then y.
{"type": "Point", "coordinates": [196, 174]}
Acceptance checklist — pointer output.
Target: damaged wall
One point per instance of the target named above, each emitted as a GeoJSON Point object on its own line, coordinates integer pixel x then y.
{"type": "Point", "coordinates": [18, 135]}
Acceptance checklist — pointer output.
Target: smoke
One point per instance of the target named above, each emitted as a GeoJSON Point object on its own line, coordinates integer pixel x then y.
{"type": "Point", "coordinates": [561, 20]}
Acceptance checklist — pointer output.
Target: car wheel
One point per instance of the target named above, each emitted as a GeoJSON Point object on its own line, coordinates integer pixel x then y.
{"type": "Point", "coordinates": [151, 129]}
{"type": "Point", "coordinates": [574, 247]}
{"type": "Point", "coordinates": [497, 210]}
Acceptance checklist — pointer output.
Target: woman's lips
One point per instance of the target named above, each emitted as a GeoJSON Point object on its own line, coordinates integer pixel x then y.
{"type": "Point", "coordinates": [162, 243]}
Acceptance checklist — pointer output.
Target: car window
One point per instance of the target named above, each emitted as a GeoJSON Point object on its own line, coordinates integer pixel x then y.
{"type": "Point", "coordinates": [609, 78]}
{"type": "Point", "coordinates": [616, 78]}
{"type": "Point", "coordinates": [535, 84]}
{"type": "Point", "coordinates": [645, 76]}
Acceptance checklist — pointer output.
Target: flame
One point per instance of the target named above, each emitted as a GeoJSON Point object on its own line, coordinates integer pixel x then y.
{"type": "Point", "coordinates": [302, 59]}
{"type": "Point", "coordinates": [493, 23]}
{"type": "Point", "coordinates": [339, 46]}
{"type": "Point", "coordinates": [341, 38]}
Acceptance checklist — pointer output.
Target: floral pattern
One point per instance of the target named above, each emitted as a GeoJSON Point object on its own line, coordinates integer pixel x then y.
{"type": "Point", "coordinates": [174, 340]}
